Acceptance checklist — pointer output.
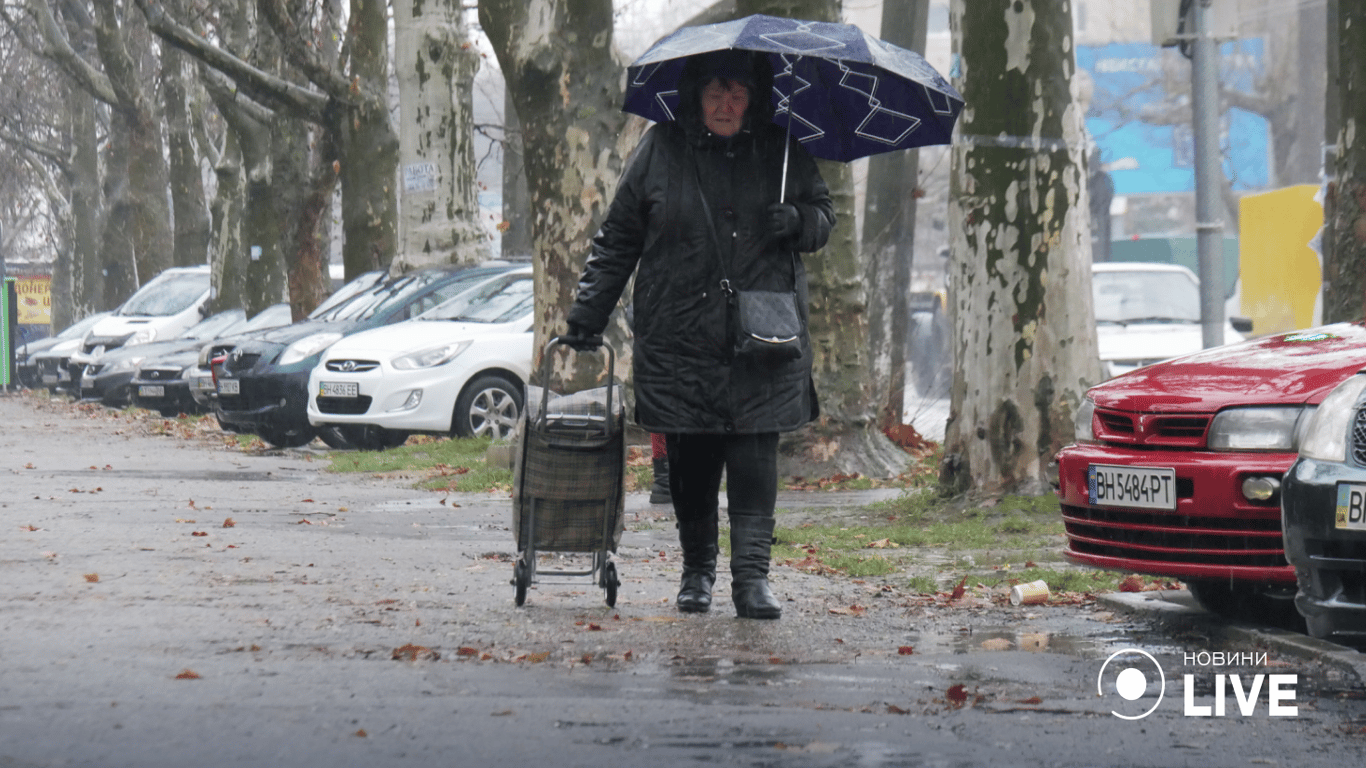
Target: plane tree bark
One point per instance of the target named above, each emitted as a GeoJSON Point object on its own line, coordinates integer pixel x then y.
{"type": "Point", "coordinates": [1019, 282]}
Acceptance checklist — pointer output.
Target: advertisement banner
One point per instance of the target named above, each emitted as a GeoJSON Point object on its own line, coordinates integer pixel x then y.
{"type": "Point", "coordinates": [35, 299]}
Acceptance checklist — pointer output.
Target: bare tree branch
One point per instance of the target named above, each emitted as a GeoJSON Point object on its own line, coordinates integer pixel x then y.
{"type": "Point", "coordinates": [260, 86]}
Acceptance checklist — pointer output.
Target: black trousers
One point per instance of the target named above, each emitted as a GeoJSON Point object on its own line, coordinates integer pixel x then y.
{"type": "Point", "coordinates": [750, 463]}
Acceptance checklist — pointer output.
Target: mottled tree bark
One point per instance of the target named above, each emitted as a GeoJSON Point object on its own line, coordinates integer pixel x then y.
{"type": "Point", "coordinates": [1020, 274]}
{"type": "Point", "coordinates": [435, 67]}
{"type": "Point", "coordinates": [566, 84]}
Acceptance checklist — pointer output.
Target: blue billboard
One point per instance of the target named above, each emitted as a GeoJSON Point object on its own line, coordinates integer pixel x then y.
{"type": "Point", "coordinates": [1142, 127]}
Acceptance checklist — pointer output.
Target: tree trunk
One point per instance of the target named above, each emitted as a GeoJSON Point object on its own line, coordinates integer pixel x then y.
{"type": "Point", "coordinates": [1344, 291]}
{"type": "Point", "coordinates": [87, 208]}
{"type": "Point", "coordinates": [191, 228]}
{"type": "Point", "coordinates": [1020, 277]}
{"type": "Point", "coordinates": [309, 281]}
{"type": "Point", "coordinates": [516, 223]}
{"type": "Point", "coordinates": [567, 87]}
{"type": "Point", "coordinates": [369, 161]}
{"type": "Point", "coordinates": [148, 223]}
{"type": "Point", "coordinates": [889, 235]}
{"type": "Point", "coordinates": [847, 437]}
{"type": "Point", "coordinates": [435, 66]}
{"type": "Point", "coordinates": [228, 268]}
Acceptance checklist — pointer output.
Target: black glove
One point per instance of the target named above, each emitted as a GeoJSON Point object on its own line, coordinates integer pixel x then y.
{"type": "Point", "coordinates": [578, 337]}
{"type": "Point", "coordinates": [783, 220]}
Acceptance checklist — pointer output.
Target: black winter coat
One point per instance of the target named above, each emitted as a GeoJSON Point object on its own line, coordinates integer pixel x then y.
{"type": "Point", "coordinates": [686, 378]}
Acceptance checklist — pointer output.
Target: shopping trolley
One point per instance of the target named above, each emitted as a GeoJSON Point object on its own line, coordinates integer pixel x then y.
{"type": "Point", "coordinates": [569, 488]}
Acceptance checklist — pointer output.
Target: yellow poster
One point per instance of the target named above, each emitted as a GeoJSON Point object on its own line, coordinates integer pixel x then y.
{"type": "Point", "coordinates": [1282, 274]}
{"type": "Point", "coordinates": [35, 299]}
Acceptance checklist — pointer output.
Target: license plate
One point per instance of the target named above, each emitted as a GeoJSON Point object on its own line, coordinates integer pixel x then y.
{"type": "Point", "coordinates": [151, 390]}
{"type": "Point", "coordinates": [1350, 513]}
{"type": "Point", "coordinates": [229, 387]}
{"type": "Point", "coordinates": [1142, 487]}
{"type": "Point", "coordinates": [338, 389]}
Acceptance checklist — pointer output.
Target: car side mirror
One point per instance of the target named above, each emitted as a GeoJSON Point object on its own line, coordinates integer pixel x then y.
{"type": "Point", "coordinates": [1241, 324]}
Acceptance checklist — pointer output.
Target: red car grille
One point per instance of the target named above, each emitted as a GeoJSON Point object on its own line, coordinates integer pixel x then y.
{"type": "Point", "coordinates": [1165, 537]}
{"type": "Point", "coordinates": [1176, 431]}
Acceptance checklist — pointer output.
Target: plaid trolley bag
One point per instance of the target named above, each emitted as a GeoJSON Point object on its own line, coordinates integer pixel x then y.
{"type": "Point", "coordinates": [569, 488]}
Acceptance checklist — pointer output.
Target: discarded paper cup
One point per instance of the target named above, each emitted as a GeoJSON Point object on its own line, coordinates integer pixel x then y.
{"type": "Point", "coordinates": [1033, 593]}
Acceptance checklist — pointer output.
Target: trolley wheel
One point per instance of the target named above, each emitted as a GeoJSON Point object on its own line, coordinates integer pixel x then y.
{"type": "Point", "coordinates": [521, 579]}
{"type": "Point", "coordinates": [611, 582]}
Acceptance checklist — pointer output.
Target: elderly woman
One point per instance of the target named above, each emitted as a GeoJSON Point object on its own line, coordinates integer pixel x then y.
{"type": "Point", "coordinates": [696, 214]}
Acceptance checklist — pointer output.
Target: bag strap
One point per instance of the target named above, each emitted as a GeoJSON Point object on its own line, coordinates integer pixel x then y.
{"type": "Point", "coordinates": [726, 287]}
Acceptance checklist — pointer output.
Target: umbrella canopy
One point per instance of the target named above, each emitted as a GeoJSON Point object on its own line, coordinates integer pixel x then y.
{"type": "Point", "coordinates": [842, 93]}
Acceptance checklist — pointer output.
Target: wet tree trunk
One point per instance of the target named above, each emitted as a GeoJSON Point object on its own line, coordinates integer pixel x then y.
{"type": "Point", "coordinates": [566, 85]}
{"type": "Point", "coordinates": [1020, 275]}
{"type": "Point", "coordinates": [435, 67]}
{"type": "Point", "coordinates": [1344, 287]}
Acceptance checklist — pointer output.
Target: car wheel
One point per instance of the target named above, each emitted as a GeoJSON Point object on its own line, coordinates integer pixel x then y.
{"type": "Point", "coordinates": [489, 406]}
{"type": "Point", "coordinates": [287, 437]}
{"type": "Point", "coordinates": [333, 438]}
{"type": "Point", "coordinates": [1253, 603]}
{"type": "Point", "coordinates": [367, 437]}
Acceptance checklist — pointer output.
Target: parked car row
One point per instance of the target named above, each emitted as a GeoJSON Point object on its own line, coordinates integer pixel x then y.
{"type": "Point", "coordinates": [1240, 470]}
{"type": "Point", "coordinates": [444, 350]}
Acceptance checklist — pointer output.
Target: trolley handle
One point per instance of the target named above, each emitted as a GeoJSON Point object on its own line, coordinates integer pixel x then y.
{"type": "Point", "coordinates": [545, 377]}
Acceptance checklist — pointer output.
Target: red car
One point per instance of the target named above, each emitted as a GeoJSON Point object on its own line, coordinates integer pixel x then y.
{"type": "Point", "coordinates": [1176, 469]}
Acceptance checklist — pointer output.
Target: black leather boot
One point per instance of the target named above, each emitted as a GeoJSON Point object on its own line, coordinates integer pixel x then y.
{"type": "Point", "coordinates": [751, 542]}
{"type": "Point", "coordinates": [659, 492]}
{"type": "Point", "coordinates": [698, 539]}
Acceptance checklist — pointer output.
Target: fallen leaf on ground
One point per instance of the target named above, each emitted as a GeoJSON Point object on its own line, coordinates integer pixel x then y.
{"type": "Point", "coordinates": [412, 652]}
{"type": "Point", "coordinates": [996, 644]}
{"type": "Point", "coordinates": [853, 610]}
{"type": "Point", "coordinates": [958, 590]}
{"type": "Point", "coordinates": [361, 733]}
{"type": "Point", "coordinates": [905, 650]}
{"type": "Point", "coordinates": [188, 674]}
{"type": "Point", "coordinates": [92, 577]}
{"type": "Point", "coordinates": [957, 693]}
{"type": "Point", "coordinates": [229, 523]}
{"type": "Point", "coordinates": [1132, 583]}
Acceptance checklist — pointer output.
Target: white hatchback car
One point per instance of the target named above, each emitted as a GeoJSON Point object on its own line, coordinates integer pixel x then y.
{"type": "Point", "coordinates": [1148, 312]}
{"type": "Point", "coordinates": [460, 368]}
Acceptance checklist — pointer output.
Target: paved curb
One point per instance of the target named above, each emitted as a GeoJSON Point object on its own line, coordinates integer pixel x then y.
{"type": "Point", "coordinates": [1177, 607]}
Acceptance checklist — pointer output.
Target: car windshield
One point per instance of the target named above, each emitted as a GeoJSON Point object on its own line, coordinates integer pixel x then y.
{"type": "Point", "coordinates": [400, 292]}
{"type": "Point", "coordinates": [214, 326]}
{"type": "Point", "coordinates": [170, 295]}
{"type": "Point", "coordinates": [498, 301]}
{"type": "Point", "coordinates": [1134, 296]}
{"type": "Point", "coordinates": [347, 292]}
{"type": "Point", "coordinates": [273, 316]}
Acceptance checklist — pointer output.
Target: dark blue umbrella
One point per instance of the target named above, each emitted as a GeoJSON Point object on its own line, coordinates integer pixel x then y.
{"type": "Point", "coordinates": [842, 93]}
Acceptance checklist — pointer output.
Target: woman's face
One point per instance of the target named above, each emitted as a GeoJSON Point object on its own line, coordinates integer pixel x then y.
{"type": "Point", "coordinates": [723, 106]}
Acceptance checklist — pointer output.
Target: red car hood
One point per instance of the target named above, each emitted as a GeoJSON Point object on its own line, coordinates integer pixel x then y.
{"type": "Point", "coordinates": [1287, 368]}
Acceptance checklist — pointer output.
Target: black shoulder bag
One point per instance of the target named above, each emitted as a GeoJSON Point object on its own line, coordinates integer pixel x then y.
{"type": "Point", "coordinates": [766, 325]}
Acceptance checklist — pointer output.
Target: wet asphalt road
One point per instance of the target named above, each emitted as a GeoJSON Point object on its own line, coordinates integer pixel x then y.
{"type": "Point", "coordinates": [173, 603]}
